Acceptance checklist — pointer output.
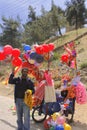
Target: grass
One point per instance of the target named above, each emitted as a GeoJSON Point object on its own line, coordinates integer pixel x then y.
{"type": "Point", "coordinates": [69, 36]}
{"type": "Point", "coordinates": [83, 65]}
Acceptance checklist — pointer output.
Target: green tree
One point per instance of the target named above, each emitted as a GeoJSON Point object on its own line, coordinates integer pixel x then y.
{"type": "Point", "coordinates": [31, 15]}
{"type": "Point", "coordinates": [76, 13]}
{"type": "Point", "coordinates": [37, 30]}
{"type": "Point", "coordinates": [40, 28]}
{"type": "Point", "coordinates": [58, 19]}
{"type": "Point", "coordinates": [10, 32]}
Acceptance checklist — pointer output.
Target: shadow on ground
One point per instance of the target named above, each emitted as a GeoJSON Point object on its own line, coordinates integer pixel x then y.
{"type": "Point", "coordinates": [77, 125]}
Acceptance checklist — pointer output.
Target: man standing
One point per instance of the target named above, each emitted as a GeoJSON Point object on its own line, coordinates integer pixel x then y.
{"type": "Point", "coordinates": [22, 84]}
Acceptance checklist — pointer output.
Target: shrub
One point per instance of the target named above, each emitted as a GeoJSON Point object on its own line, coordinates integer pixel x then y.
{"type": "Point", "coordinates": [56, 56]}
{"type": "Point", "coordinates": [83, 65]}
{"type": "Point", "coordinates": [1, 74]}
{"type": "Point", "coordinates": [81, 50]}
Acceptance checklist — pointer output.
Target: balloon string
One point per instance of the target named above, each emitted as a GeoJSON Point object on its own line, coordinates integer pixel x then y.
{"type": "Point", "coordinates": [48, 62]}
{"type": "Point", "coordinates": [16, 69]}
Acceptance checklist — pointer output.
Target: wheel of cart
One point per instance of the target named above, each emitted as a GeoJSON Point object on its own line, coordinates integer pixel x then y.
{"type": "Point", "coordinates": [40, 113]}
{"type": "Point", "coordinates": [37, 115]}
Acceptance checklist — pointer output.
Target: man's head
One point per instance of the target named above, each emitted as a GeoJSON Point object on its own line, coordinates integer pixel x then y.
{"type": "Point", "coordinates": [24, 72]}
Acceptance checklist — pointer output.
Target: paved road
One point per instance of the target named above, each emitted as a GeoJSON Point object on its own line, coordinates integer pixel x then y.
{"type": "Point", "coordinates": [8, 119]}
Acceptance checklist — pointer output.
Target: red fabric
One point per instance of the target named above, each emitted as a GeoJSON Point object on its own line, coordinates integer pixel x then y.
{"type": "Point", "coordinates": [39, 92]}
{"type": "Point", "coordinates": [48, 79]}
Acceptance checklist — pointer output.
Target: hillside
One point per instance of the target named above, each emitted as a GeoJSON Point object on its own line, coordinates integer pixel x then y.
{"type": "Point", "coordinates": [80, 37]}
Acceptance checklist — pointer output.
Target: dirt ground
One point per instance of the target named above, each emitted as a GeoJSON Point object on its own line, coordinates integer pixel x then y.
{"type": "Point", "coordinates": [80, 116]}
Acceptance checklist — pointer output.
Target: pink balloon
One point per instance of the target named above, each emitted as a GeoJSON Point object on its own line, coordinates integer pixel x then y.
{"type": "Point", "coordinates": [60, 120]}
{"type": "Point", "coordinates": [7, 49]}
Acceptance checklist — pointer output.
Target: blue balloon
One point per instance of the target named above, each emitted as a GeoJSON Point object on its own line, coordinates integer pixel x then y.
{"type": "Point", "coordinates": [33, 55]}
{"type": "Point", "coordinates": [39, 58]}
{"type": "Point", "coordinates": [27, 47]}
{"type": "Point", "coordinates": [59, 127]}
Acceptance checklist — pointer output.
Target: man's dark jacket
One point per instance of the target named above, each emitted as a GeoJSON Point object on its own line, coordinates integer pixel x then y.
{"type": "Point", "coordinates": [21, 85]}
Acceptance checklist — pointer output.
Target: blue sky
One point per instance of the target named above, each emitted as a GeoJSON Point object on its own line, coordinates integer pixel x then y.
{"type": "Point", "coordinates": [12, 8]}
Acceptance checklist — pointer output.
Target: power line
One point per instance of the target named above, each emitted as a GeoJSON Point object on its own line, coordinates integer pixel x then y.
{"type": "Point", "coordinates": [16, 8]}
{"type": "Point", "coordinates": [22, 4]}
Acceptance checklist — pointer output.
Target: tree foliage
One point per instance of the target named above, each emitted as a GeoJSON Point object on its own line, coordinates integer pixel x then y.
{"type": "Point", "coordinates": [31, 15]}
{"type": "Point", "coordinates": [48, 24]}
{"type": "Point", "coordinates": [11, 32]}
{"type": "Point", "coordinates": [58, 19]}
{"type": "Point", "coordinates": [76, 13]}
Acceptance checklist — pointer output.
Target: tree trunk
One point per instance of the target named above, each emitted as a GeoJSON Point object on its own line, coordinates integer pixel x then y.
{"type": "Point", "coordinates": [60, 31]}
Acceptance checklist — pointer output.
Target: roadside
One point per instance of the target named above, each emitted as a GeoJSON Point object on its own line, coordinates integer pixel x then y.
{"type": "Point", "coordinates": [8, 117]}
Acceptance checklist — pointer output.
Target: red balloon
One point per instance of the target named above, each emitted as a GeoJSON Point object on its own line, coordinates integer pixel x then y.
{"type": "Point", "coordinates": [64, 58]}
{"type": "Point", "coordinates": [51, 46]}
{"type": "Point", "coordinates": [17, 61]}
{"type": "Point", "coordinates": [46, 125]}
{"type": "Point", "coordinates": [16, 52]}
{"type": "Point", "coordinates": [39, 50]}
{"type": "Point", "coordinates": [25, 57]}
{"type": "Point", "coordinates": [25, 64]}
{"type": "Point", "coordinates": [46, 48]}
{"type": "Point", "coordinates": [2, 55]}
{"type": "Point", "coordinates": [7, 49]}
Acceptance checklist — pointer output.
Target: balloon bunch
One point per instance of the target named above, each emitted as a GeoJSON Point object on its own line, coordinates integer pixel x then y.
{"type": "Point", "coordinates": [38, 53]}
{"type": "Point", "coordinates": [44, 48]}
{"type": "Point", "coordinates": [11, 54]}
{"type": "Point", "coordinates": [33, 55]}
{"type": "Point", "coordinates": [56, 122]}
